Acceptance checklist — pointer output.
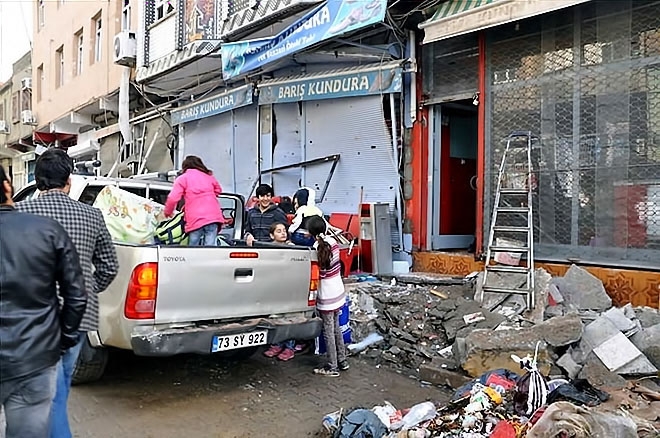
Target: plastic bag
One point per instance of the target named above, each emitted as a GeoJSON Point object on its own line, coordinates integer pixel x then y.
{"type": "Point", "coordinates": [580, 392]}
{"type": "Point", "coordinates": [417, 414]}
{"type": "Point", "coordinates": [130, 218]}
{"type": "Point", "coordinates": [531, 389]}
{"type": "Point", "coordinates": [386, 414]}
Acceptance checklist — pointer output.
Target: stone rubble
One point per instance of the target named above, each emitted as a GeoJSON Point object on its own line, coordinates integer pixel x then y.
{"type": "Point", "coordinates": [435, 326]}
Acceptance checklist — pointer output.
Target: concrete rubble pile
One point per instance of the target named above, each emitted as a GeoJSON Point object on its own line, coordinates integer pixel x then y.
{"type": "Point", "coordinates": [581, 344]}
{"type": "Point", "coordinates": [438, 328]}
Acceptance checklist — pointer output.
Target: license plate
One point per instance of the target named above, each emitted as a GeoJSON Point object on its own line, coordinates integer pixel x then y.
{"type": "Point", "coordinates": [241, 340]}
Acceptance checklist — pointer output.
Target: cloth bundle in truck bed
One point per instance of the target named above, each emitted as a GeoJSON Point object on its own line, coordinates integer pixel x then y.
{"type": "Point", "coordinates": [130, 218]}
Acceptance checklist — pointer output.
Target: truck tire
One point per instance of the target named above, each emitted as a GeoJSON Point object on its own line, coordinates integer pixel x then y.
{"type": "Point", "coordinates": [90, 365]}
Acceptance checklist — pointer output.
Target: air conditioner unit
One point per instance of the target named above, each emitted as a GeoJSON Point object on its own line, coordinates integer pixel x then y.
{"type": "Point", "coordinates": [84, 148]}
{"type": "Point", "coordinates": [4, 127]}
{"type": "Point", "coordinates": [125, 48]}
{"type": "Point", "coordinates": [26, 84]}
{"type": "Point", "coordinates": [27, 118]}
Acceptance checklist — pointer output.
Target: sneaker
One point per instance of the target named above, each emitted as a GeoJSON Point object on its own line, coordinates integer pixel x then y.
{"type": "Point", "coordinates": [344, 365]}
{"type": "Point", "coordinates": [286, 354]}
{"type": "Point", "coordinates": [273, 351]}
{"type": "Point", "coordinates": [301, 348]}
{"type": "Point", "coordinates": [327, 370]}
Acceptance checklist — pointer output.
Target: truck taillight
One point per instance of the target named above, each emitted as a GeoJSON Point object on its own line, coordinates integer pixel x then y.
{"type": "Point", "coordinates": [141, 293]}
{"type": "Point", "coordinates": [313, 284]}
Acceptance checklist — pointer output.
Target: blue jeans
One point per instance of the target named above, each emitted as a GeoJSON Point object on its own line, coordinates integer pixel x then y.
{"type": "Point", "coordinates": [59, 415]}
{"type": "Point", "coordinates": [26, 401]}
{"type": "Point", "coordinates": [290, 344]}
{"type": "Point", "coordinates": [302, 238]}
{"type": "Point", "coordinates": [205, 236]}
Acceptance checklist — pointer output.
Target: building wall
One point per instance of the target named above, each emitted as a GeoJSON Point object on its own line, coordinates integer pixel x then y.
{"type": "Point", "coordinates": [5, 103]}
{"type": "Point", "coordinates": [584, 81]}
{"type": "Point", "coordinates": [62, 19]}
{"type": "Point", "coordinates": [22, 69]}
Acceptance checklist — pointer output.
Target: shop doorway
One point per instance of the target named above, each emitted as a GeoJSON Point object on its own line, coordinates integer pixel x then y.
{"type": "Point", "coordinates": [454, 189]}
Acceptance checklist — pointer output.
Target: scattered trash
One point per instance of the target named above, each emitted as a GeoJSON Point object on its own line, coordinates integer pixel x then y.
{"type": "Point", "coordinates": [372, 339]}
{"type": "Point", "coordinates": [580, 344]}
{"type": "Point", "coordinates": [473, 318]}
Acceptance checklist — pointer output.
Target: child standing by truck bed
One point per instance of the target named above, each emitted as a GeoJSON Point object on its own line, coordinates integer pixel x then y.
{"type": "Point", "coordinates": [331, 297]}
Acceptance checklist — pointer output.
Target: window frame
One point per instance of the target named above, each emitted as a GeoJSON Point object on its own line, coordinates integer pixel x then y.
{"type": "Point", "coordinates": [79, 45]}
{"type": "Point", "coordinates": [15, 107]}
{"type": "Point", "coordinates": [98, 38]}
{"type": "Point", "coordinates": [40, 81]}
{"type": "Point", "coordinates": [126, 15]}
{"type": "Point", "coordinates": [60, 65]}
{"type": "Point", "coordinates": [163, 9]}
{"type": "Point", "coordinates": [41, 14]}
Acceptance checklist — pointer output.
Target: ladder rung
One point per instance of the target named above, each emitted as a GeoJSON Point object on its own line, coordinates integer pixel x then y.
{"type": "Point", "coordinates": [505, 228]}
{"type": "Point", "coordinates": [517, 249]}
{"type": "Point", "coordinates": [502, 290]}
{"type": "Point", "coordinates": [512, 209]}
{"type": "Point", "coordinates": [510, 191]}
{"type": "Point", "coordinates": [510, 269]}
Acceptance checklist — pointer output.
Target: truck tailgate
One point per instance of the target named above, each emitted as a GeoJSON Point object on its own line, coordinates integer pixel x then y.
{"type": "Point", "coordinates": [207, 283]}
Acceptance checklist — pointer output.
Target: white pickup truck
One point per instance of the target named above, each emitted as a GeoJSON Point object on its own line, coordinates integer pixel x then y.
{"type": "Point", "coordinates": [168, 300]}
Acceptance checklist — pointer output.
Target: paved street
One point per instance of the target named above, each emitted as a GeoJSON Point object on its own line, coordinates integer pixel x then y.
{"type": "Point", "coordinates": [195, 396]}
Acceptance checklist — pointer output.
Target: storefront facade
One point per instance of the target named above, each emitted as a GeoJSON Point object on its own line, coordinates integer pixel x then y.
{"type": "Point", "coordinates": [220, 129]}
{"type": "Point", "coordinates": [584, 79]}
{"type": "Point", "coordinates": [335, 112]}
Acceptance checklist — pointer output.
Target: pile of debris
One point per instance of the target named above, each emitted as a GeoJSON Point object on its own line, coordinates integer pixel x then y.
{"type": "Point", "coordinates": [438, 328]}
{"type": "Point", "coordinates": [501, 404]}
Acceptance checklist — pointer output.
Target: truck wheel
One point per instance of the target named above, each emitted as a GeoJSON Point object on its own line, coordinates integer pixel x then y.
{"type": "Point", "coordinates": [90, 365]}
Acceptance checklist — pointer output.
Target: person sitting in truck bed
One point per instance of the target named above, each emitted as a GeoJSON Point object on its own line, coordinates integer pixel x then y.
{"type": "Point", "coordinates": [305, 205]}
{"type": "Point", "coordinates": [261, 217]}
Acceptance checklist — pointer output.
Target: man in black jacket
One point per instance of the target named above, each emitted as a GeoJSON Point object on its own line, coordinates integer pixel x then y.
{"type": "Point", "coordinates": [36, 256]}
{"type": "Point", "coordinates": [262, 216]}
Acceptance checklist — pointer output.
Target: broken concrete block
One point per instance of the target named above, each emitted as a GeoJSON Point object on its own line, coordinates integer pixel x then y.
{"type": "Point", "coordinates": [647, 316]}
{"type": "Point", "coordinates": [620, 320]}
{"type": "Point", "coordinates": [438, 375]}
{"type": "Point", "coordinates": [584, 290]}
{"type": "Point", "coordinates": [640, 366]}
{"type": "Point", "coordinates": [599, 376]}
{"type": "Point", "coordinates": [648, 341]}
{"type": "Point", "coordinates": [567, 363]}
{"type": "Point", "coordinates": [562, 330]}
{"type": "Point", "coordinates": [594, 335]}
{"type": "Point", "coordinates": [487, 350]}
{"type": "Point", "coordinates": [617, 352]}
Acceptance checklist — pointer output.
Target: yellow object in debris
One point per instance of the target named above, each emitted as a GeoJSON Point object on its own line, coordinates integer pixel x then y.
{"type": "Point", "coordinates": [495, 396]}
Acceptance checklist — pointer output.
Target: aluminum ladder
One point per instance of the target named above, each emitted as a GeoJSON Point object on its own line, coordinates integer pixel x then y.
{"type": "Point", "coordinates": [513, 206]}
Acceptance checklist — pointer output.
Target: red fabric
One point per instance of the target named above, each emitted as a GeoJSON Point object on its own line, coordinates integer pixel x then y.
{"type": "Point", "coordinates": [504, 429]}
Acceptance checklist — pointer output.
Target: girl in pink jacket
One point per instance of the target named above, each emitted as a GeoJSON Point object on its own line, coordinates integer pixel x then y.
{"type": "Point", "coordinates": [199, 190]}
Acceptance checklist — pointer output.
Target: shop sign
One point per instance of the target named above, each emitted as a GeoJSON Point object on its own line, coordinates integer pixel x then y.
{"type": "Point", "coordinates": [331, 87]}
{"type": "Point", "coordinates": [212, 106]}
{"type": "Point", "coordinates": [328, 20]}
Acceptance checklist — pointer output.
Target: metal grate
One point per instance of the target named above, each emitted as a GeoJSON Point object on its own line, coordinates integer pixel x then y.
{"type": "Point", "coordinates": [452, 67]}
{"type": "Point", "coordinates": [586, 80]}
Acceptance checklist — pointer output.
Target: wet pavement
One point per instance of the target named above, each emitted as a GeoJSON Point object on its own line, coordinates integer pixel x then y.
{"type": "Point", "coordinates": [193, 396]}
